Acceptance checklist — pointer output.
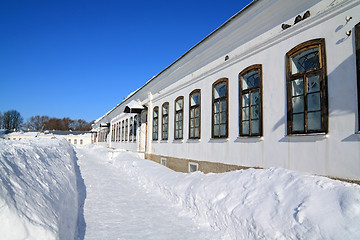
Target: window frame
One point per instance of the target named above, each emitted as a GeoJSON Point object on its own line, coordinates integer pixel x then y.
{"type": "Point", "coordinates": [193, 164]}
{"type": "Point", "coordinates": [250, 90]}
{"type": "Point", "coordinates": [163, 125]}
{"type": "Point", "coordinates": [357, 50]}
{"type": "Point", "coordinates": [123, 131]}
{"type": "Point", "coordinates": [155, 131]}
{"type": "Point", "coordinates": [118, 132]}
{"type": "Point", "coordinates": [131, 129]}
{"type": "Point", "coordinates": [196, 91]}
{"type": "Point", "coordinates": [322, 71]}
{"type": "Point", "coordinates": [219, 81]}
{"type": "Point", "coordinates": [176, 112]}
{"type": "Point", "coordinates": [135, 127]}
{"type": "Point", "coordinates": [126, 129]}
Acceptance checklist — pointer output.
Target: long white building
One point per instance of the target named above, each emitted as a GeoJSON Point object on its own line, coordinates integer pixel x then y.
{"type": "Point", "coordinates": [276, 85]}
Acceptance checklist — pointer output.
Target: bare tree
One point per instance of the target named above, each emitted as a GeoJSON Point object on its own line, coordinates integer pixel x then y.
{"type": "Point", "coordinates": [36, 122]}
{"type": "Point", "coordinates": [11, 119]}
{"type": "Point", "coordinates": [64, 124]}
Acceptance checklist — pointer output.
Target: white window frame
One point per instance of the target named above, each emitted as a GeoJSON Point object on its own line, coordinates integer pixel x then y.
{"type": "Point", "coordinates": [193, 164]}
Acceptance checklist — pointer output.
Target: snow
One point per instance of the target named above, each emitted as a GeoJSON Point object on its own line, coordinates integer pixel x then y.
{"type": "Point", "coordinates": [42, 194]}
{"type": "Point", "coordinates": [250, 204]}
{"type": "Point", "coordinates": [125, 210]}
{"type": "Point", "coordinates": [38, 189]}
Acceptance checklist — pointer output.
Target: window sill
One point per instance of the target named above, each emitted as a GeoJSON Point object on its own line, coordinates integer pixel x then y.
{"type": "Point", "coordinates": [358, 132]}
{"type": "Point", "coordinates": [306, 134]}
{"type": "Point", "coordinates": [178, 140]}
{"type": "Point", "coordinates": [249, 139]}
{"type": "Point", "coordinates": [164, 141]}
{"type": "Point", "coordinates": [246, 137]}
{"type": "Point", "coordinates": [193, 140]}
{"type": "Point", "coordinates": [218, 140]}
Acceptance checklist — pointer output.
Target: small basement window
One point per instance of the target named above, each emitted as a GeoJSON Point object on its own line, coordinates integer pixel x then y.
{"type": "Point", "coordinates": [193, 167]}
{"type": "Point", "coordinates": [163, 161]}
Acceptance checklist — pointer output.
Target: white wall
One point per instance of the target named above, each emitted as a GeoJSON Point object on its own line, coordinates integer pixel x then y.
{"type": "Point", "coordinates": [336, 153]}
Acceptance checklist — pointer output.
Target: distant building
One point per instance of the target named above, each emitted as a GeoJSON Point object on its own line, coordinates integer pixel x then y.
{"type": "Point", "coordinates": [276, 85]}
{"type": "Point", "coordinates": [74, 137]}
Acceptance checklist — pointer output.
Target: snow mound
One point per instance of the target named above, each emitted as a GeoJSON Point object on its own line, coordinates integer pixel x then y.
{"type": "Point", "coordinates": [270, 203]}
{"type": "Point", "coordinates": [38, 189]}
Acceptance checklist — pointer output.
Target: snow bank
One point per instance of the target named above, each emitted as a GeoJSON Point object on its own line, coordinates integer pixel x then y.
{"type": "Point", "coordinates": [38, 189]}
{"type": "Point", "coordinates": [253, 204]}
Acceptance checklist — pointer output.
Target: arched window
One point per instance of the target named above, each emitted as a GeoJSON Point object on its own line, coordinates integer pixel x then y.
{"type": "Point", "coordinates": [135, 126]}
{"type": "Point", "coordinates": [307, 102]}
{"type": "Point", "coordinates": [179, 112]}
{"type": "Point", "coordinates": [220, 109]}
{"type": "Point", "coordinates": [126, 129]}
{"type": "Point", "coordinates": [112, 132]}
{"type": "Point", "coordinates": [250, 101]}
{"type": "Point", "coordinates": [155, 133]}
{"type": "Point", "coordinates": [123, 131]}
{"type": "Point", "coordinates": [118, 131]}
{"type": "Point", "coordinates": [195, 114]}
{"type": "Point", "coordinates": [165, 122]}
{"type": "Point", "coordinates": [131, 130]}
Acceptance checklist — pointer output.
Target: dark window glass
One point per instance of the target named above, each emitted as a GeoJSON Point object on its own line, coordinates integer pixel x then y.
{"type": "Point", "coordinates": [307, 88]}
{"type": "Point", "coordinates": [194, 115]}
{"type": "Point", "coordinates": [179, 111]}
{"type": "Point", "coordinates": [250, 101]}
{"type": "Point", "coordinates": [165, 122]}
{"type": "Point", "coordinates": [220, 109]}
{"type": "Point", "coordinates": [155, 133]}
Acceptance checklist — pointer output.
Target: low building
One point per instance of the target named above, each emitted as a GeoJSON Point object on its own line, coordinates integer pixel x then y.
{"type": "Point", "coordinates": [74, 137]}
{"type": "Point", "coordinates": [276, 85]}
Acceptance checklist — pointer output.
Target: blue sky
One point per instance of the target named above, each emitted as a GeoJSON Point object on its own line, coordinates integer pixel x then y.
{"type": "Point", "coordinates": [79, 59]}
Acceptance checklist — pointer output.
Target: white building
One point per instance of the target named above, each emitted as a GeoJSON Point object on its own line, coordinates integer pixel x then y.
{"type": "Point", "coordinates": [74, 137]}
{"type": "Point", "coordinates": [259, 91]}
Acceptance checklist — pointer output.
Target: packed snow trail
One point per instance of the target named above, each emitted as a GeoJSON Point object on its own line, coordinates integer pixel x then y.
{"type": "Point", "coordinates": [118, 208]}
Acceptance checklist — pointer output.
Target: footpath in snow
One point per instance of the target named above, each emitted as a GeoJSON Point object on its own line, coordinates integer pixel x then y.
{"type": "Point", "coordinates": [117, 207]}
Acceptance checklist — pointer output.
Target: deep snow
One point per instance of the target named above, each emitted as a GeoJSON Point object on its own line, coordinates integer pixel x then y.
{"type": "Point", "coordinates": [273, 203]}
{"type": "Point", "coordinates": [41, 196]}
{"type": "Point", "coordinates": [38, 189]}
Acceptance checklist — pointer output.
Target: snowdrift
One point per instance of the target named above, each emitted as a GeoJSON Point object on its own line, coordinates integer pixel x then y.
{"type": "Point", "coordinates": [273, 203]}
{"type": "Point", "coordinates": [38, 189]}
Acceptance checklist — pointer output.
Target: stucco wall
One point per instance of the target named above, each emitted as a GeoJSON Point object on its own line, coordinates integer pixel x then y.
{"type": "Point", "coordinates": [336, 153]}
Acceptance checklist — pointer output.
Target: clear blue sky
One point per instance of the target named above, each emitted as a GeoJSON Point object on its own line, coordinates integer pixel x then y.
{"type": "Point", "coordinates": [79, 59]}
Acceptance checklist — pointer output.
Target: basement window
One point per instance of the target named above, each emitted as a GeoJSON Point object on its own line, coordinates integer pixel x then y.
{"type": "Point", "coordinates": [163, 161]}
{"type": "Point", "coordinates": [193, 167]}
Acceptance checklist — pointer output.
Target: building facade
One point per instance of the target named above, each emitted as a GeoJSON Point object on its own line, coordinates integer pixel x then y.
{"type": "Point", "coordinates": [277, 85]}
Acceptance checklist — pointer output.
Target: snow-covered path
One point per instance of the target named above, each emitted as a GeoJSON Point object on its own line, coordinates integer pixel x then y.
{"type": "Point", "coordinates": [118, 208]}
